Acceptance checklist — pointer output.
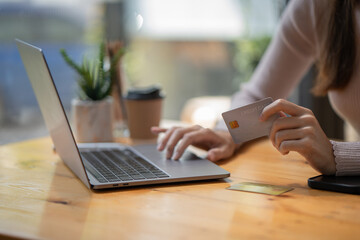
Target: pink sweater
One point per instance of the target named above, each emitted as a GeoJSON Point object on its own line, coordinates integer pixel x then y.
{"type": "Point", "coordinates": [292, 51]}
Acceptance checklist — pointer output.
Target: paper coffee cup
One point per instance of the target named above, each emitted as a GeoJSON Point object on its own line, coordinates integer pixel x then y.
{"type": "Point", "coordinates": [144, 110]}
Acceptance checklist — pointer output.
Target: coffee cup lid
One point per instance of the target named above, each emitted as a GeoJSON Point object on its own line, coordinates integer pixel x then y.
{"type": "Point", "coordinates": [152, 92]}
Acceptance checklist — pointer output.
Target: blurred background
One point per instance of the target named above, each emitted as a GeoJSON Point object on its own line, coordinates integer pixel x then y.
{"type": "Point", "coordinates": [191, 48]}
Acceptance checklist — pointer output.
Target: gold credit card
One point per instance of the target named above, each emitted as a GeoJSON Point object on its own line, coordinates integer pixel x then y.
{"type": "Point", "coordinates": [260, 188]}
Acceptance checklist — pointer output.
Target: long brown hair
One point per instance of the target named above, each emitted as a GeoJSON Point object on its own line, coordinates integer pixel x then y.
{"type": "Point", "coordinates": [338, 53]}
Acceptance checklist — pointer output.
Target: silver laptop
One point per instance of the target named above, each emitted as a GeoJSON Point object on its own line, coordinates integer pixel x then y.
{"type": "Point", "coordinates": [106, 165]}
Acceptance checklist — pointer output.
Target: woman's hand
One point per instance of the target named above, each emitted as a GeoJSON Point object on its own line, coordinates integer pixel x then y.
{"type": "Point", "coordinates": [218, 143]}
{"type": "Point", "coordinates": [300, 132]}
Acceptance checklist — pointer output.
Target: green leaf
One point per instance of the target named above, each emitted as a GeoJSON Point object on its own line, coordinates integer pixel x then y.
{"type": "Point", "coordinates": [94, 81]}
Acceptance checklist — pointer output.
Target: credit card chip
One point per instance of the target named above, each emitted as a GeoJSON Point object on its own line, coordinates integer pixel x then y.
{"type": "Point", "coordinates": [234, 124]}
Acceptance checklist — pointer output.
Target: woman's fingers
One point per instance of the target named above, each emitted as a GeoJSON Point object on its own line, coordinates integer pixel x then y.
{"type": "Point", "coordinates": [157, 130]}
{"type": "Point", "coordinates": [301, 133]}
{"type": "Point", "coordinates": [189, 139]}
{"type": "Point", "coordinates": [291, 123]}
{"type": "Point", "coordinates": [175, 138]}
{"type": "Point", "coordinates": [288, 134]}
{"type": "Point", "coordinates": [282, 105]}
{"type": "Point", "coordinates": [163, 142]}
{"type": "Point", "coordinates": [172, 137]}
{"type": "Point", "coordinates": [218, 153]}
{"type": "Point", "coordinates": [283, 123]}
{"type": "Point", "coordinates": [291, 145]}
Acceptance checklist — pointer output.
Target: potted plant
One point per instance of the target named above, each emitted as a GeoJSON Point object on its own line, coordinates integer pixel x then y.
{"type": "Point", "coordinates": [92, 109]}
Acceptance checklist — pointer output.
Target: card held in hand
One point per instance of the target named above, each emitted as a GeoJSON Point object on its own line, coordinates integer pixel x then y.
{"type": "Point", "coordinates": [243, 122]}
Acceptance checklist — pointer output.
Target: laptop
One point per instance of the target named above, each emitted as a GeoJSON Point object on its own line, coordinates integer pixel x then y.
{"type": "Point", "coordinates": [106, 165]}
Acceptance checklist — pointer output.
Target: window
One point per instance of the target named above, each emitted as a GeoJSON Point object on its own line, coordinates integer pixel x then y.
{"type": "Point", "coordinates": [188, 47]}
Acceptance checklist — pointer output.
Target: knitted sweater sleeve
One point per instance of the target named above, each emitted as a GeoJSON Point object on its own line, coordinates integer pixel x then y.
{"type": "Point", "coordinates": [347, 158]}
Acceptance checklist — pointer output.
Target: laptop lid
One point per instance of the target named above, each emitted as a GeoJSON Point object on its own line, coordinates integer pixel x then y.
{"type": "Point", "coordinates": [51, 108]}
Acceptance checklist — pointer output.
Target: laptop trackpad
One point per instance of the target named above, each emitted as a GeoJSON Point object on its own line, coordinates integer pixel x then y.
{"type": "Point", "coordinates": [188, 165]}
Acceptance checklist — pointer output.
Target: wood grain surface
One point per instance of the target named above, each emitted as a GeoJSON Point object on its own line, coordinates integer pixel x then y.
{"type": "Point", "coordinates": [40, 198]}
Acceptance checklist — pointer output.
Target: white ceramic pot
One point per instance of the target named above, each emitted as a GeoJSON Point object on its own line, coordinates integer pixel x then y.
{"type": "Point", "coordinates": [93, 120]}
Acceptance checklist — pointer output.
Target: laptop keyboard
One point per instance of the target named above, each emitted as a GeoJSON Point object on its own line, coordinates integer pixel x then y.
{"type": "Point", "coordinates": [114, 165]}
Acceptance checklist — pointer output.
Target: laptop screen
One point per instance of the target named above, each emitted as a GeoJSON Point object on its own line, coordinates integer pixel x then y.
{"type": "Point", "coordinates": [51, 108]}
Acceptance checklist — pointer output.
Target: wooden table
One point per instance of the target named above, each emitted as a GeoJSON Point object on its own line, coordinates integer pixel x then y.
{"type": "Point", "coordinates": [40, 198]}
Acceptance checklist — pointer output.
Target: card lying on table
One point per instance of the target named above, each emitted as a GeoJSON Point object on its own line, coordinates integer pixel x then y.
{"type": "Point", "coordinates": [260, 188]}
{"type": "Point", "coordinates": [243, 122]}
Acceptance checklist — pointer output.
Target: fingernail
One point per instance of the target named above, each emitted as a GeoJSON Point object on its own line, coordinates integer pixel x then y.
{"type": "Point", "coordinates": [161, 145]}
{"type": "Point", "coordinates": [176, 156]}
{"type": "Point", "coordinates": [261, 117]}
